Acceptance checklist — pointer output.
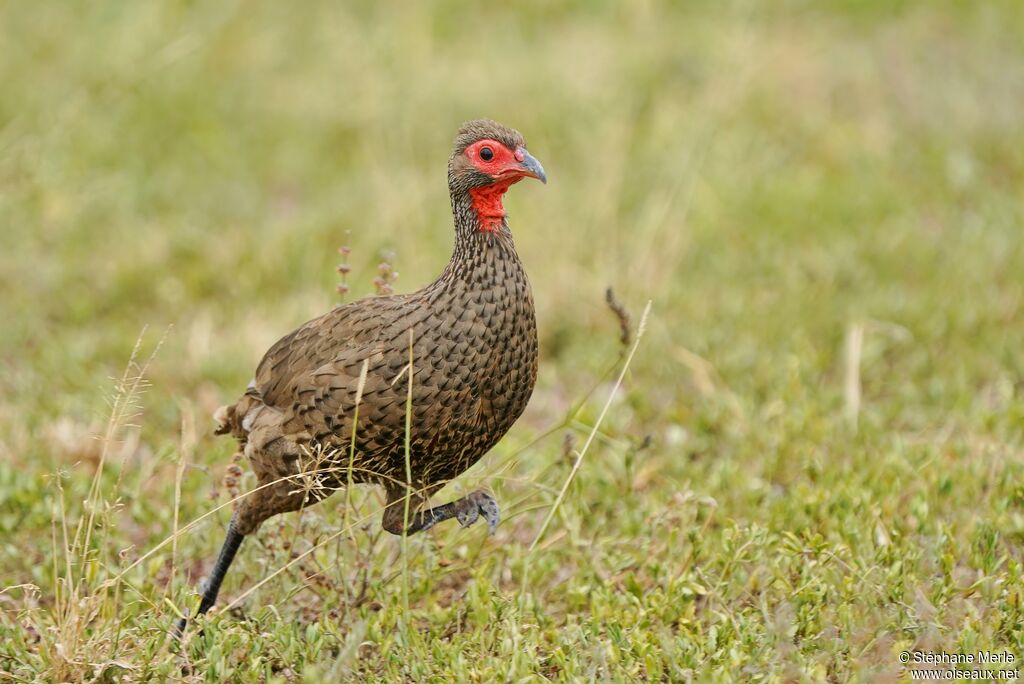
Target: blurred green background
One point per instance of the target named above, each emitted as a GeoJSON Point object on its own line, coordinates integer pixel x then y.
{"type": "Point", "coordinates": [823, 200]}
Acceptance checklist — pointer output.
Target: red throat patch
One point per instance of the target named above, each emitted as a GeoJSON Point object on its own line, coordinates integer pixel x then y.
{"type": "Point", "coordinates": [487, 203]}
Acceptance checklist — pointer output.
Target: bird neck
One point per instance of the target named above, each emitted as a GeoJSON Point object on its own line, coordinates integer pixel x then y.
{"type": "Point", "coordinates": [486, 201]}
{"type": "Point", "coordinates": [481, 240]}
{"type": "Point", "coordinates": [480, 218]}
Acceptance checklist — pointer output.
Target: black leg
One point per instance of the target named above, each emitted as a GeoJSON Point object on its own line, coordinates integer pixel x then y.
{"type": "Point", "coordinates": [467, 510]}
{"type": "Point", "coordinates": [227, 554]}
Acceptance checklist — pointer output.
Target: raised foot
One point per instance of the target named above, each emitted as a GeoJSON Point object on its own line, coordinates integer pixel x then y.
{"type": "Point", "coordinates": [469, 508]}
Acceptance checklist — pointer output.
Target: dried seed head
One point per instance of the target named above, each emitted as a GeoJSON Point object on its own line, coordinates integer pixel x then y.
{"type": "Point", "coordinates": [625, 333]}
{"type": "Point", "coordinates": [388, 274]}
{"type": "Point", "coordinates": [568, 444]}
{"type": "Point", "coordinates": [232, 476]}
{"type": "Point", "coordinates": [343, 269]}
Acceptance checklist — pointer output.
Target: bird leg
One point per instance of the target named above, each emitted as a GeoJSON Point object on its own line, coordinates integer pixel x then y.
{"type": "Point", "coordinates": [466, 510]}
{"type": "Point", "coordinates": [227, 553]}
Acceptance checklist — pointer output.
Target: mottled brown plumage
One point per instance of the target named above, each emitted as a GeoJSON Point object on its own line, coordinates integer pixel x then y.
{"type": "Point", "coordinates": [473, 342]}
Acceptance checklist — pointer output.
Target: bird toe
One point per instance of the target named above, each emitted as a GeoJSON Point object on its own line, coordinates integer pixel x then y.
{"type": "Point", "coordinates": [467, 514]}
{"type": "Point", "coordinates": [488, 507]}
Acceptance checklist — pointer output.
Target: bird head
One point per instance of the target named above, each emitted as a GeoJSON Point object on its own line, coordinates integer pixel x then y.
{"type": "Point", "coordinates": [486, 160]}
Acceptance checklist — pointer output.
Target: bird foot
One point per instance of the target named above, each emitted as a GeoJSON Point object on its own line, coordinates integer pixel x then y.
{"type": "Point", "coordinates": [469, 508]}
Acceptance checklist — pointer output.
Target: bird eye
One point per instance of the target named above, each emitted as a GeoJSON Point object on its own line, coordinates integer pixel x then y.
{"type": "Point", "coordinates": [486, 153]}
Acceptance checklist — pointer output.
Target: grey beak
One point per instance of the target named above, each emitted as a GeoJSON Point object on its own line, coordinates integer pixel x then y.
{"type": "Point", "coordinates": [533, 168]}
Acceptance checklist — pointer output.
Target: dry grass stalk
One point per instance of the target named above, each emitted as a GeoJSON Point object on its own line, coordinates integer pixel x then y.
{"type": "Point", "coordinates": [593, 432]}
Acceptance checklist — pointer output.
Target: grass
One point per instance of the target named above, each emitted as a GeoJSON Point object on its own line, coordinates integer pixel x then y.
{"type": "Point", "coordinates": [813, 462]}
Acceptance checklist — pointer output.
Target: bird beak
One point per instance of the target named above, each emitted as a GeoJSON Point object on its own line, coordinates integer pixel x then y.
{"type": "Point", "coordinates": [529, 166]}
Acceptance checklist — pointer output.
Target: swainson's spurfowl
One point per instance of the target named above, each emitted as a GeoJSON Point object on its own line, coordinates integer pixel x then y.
{"type": "Point", "coordinates": [473, 342]}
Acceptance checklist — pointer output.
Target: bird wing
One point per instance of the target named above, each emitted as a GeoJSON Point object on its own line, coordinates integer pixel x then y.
{"type": "Point", "coordinates": [343, 336]}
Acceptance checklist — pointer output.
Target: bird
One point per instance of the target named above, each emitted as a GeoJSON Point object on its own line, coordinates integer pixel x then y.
{"type": "Point", "coordinates": [404, 391]}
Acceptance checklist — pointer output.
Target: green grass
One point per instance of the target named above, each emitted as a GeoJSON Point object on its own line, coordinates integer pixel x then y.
{"type": "Point", "coordinates": [765, 499]}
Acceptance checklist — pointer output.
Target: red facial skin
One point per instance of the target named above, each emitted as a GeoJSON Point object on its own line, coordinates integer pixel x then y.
{"type": "Point", "coordinates": [505, 168]}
